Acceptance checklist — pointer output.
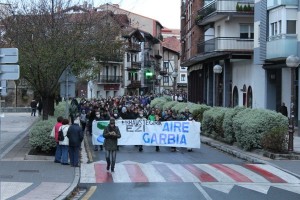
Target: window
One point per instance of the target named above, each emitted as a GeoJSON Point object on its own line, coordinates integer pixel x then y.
{"type": "Point", "coordinates": [235, 97]}
{"type": "Point", "coordinates": [279, 27]}
{"type": "Point", "coordinates": [128, 57]}
{"type": "Point", "coordinates": [291, 26]}
{"type": "Point", "coordinates": [130, 76]}
{"type": "Point", "coordinates": [274, 29]}
{"type": "Point", "coordinates": [182, 77]}
{"type": "Point", "coordinates": [166, 65]}
{"type": "Point", "coordinates": [246, 31]}
{"type": "Point", "coordinates": [165, 79]}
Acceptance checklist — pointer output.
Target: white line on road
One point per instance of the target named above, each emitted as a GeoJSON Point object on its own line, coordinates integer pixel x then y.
{"type": "Point", "coordinates": [203, 192]}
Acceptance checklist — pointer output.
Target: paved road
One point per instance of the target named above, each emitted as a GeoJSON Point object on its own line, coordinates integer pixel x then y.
{"type": "Point", "coordinates": [203, 174]}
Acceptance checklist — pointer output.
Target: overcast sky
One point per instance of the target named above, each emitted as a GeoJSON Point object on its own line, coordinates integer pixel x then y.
{"type": "Point", "coordinates": [167, 12]}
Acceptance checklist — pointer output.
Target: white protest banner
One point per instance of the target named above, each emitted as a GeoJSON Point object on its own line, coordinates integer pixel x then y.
{"type": "Point", "coordinates": [152, 133]}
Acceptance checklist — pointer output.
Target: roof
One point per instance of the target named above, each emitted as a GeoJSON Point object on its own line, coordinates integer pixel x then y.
{"type": "Point", "coordinates": [172, 43]}
{"type": "Point", "coordinates": [129, 32]}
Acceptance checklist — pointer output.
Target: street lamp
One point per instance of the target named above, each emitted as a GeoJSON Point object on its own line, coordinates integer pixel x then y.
{"type": "Point", "coordinates": [292, 62]}
{"type": "Point", "coordinates": [217, 70]}
{"type": "Point", "coordinates": [159, 77]}
{"type": "Point", "coordinates": [174, 75]}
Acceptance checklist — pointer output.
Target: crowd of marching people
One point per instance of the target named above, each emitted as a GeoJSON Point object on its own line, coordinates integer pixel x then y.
{"type": "Point", "coordinates": [82, 113]}
{"type": "Point", "coordinates": [125, 107]}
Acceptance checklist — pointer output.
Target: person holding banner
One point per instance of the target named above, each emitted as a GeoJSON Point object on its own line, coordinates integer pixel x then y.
{"type": "Point", "coordinates": [111, 134]}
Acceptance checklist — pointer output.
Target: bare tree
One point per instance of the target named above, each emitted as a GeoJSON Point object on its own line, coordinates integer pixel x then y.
{"type": "Point", "coordinates": [51, 36]}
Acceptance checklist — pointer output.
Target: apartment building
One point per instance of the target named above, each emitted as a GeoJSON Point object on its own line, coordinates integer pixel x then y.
{"type": "Point", "coordinates": [152, 51]}
{"type": "Point", "coordinates": [276, 38]}
{"type": "Point", "coordinates": [236, 52]}
{"type": "Point", "coordinates": [217, 40]}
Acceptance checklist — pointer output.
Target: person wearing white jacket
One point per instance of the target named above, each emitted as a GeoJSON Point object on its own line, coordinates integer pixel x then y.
{"type": "Point", "coordinates": [65, 143]}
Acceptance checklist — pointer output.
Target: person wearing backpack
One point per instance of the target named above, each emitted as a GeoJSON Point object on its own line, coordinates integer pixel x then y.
{"type": "Point", "coordinates": [64, 143]}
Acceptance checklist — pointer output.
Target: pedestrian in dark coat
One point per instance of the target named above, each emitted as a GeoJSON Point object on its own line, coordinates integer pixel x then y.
{"type": "Point", "coordinates": [283, 109]}
{"type": "Point", "coordinates": [111, 134]}
{"type": "Point", "coordinates": [75, 135]}
{"type": "Point", "coordinates": [33, 106]}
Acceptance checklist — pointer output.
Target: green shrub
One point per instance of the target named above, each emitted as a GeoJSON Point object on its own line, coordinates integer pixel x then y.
{"type": "Point", "coordinates": [212, 122]}
{"type": "Point", "coordinates": [197, 111]}
{"type": "Point", "coordinates": [169, 105]}
{"type": "Point", "coordinates": [179, 107]}
{"type": "Point", "coordinates": [229, 136]}
{"type": "Point", "coordinates": [60, 109]}
{"type": "Point", "coordinates": [39, 136]}
{"type": "Point", "coordinates": [275, 140]}
{"type": "Point", "coordinates": [251, 125]}
{"type": "Point", "coordinates": [158, 102]}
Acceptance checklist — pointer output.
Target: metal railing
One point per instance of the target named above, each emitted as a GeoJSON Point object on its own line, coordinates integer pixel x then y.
{"type": "Point", "coordinates": [225, 44]}
{"type": "Point", "coordinates": [225, 6]}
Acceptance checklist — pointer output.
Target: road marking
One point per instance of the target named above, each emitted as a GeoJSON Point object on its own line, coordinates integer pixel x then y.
{"type": "Point", "coordinates": [232, 173]}
{"type": "Point", "coordinates": [167, 173]}
{"type": "Point", "coordinates": [203, 192]}
{"type": "Point", "coordinates": [89, 193]}
{"type": "Point", "coordinates": [135, 173]}
{"type": "Point", "coordinates": [202, 175]}
{"type": "Point", "coordinates": [268, 175]}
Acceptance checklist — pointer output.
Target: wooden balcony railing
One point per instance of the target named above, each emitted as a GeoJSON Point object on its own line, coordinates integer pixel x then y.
{"type": "Point", "coordinates": [109, 79]}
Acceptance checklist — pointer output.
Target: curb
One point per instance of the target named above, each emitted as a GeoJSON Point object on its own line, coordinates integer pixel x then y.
{"type": "Point", "coordinates": [232, 151]}
{"type": "Point", "coordinates": [68, 193]}
{"type": "Point", "coordinates": [241, 154]}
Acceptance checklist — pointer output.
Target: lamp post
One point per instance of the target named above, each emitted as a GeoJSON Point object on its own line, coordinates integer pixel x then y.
{"type": "Point", "coordinates": [174, 75]}
{"type": "Point", "coordinates": [292, 61]}
{"type": "Point", "coordinates": [159, 77]}
{"type": "Point", "coordinates": [217, 70]}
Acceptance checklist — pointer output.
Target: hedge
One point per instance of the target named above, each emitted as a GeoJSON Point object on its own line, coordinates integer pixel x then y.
{"type": "Point", "coordinates": [39, 134]}
{"type": "Point", "coordinates": [251, 126]}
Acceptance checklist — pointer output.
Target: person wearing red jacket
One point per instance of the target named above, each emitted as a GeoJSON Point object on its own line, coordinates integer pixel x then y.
{"type": "Point", "coordinates": [58, 152]}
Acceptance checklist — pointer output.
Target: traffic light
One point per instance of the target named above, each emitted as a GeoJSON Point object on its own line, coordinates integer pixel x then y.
{"type": "Point", "coordinates": [149, 75]}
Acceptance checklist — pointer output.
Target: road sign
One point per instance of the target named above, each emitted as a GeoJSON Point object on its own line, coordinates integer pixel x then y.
{"type": "Point", "coordinates": [9, 55]}
{"type": "Point", "coordinates": [9, 72]}
{"type": "Point", "coordinates": [67, 90]}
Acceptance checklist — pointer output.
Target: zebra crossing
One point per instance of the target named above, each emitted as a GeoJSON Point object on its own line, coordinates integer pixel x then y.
{"type": "Point", "coordinates": [221, 177]}
{"type": "Point", "coordinates": [128, 171]}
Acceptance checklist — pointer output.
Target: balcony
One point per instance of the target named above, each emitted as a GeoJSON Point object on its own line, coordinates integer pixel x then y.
{"type": "Point", "coordinates": [148, 63]}
{"type": "Point", "coordinates": [157, 55]}
{"type": "Point", "coordinates": [134, 66]}
{"type": "Point", "coordinates": [226, 44]}
{"type": "Point", "coordinates": [163, 72]}
{"type": "Point", "coordinates": [218, 9]}
{"type": "Point", "coordinates": [109, 79]}
{"type": "Point", "coordinates": [134, 84]}
{"type": "Point", "coordinates": [133, 47]}
{"type": "Point", "coordinates": [275, 3]}
{"type": "Point", "coordinates": [281, 46]}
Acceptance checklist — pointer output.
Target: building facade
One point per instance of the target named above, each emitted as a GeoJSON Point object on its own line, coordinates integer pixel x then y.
{"type": "Point", "coordinates": [236, 52]}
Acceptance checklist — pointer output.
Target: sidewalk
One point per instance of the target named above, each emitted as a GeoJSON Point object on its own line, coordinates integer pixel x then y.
{"type": "Point", "coordinates": [31, 179]}
{"type": "Point", "coordinates": [37, 178]}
